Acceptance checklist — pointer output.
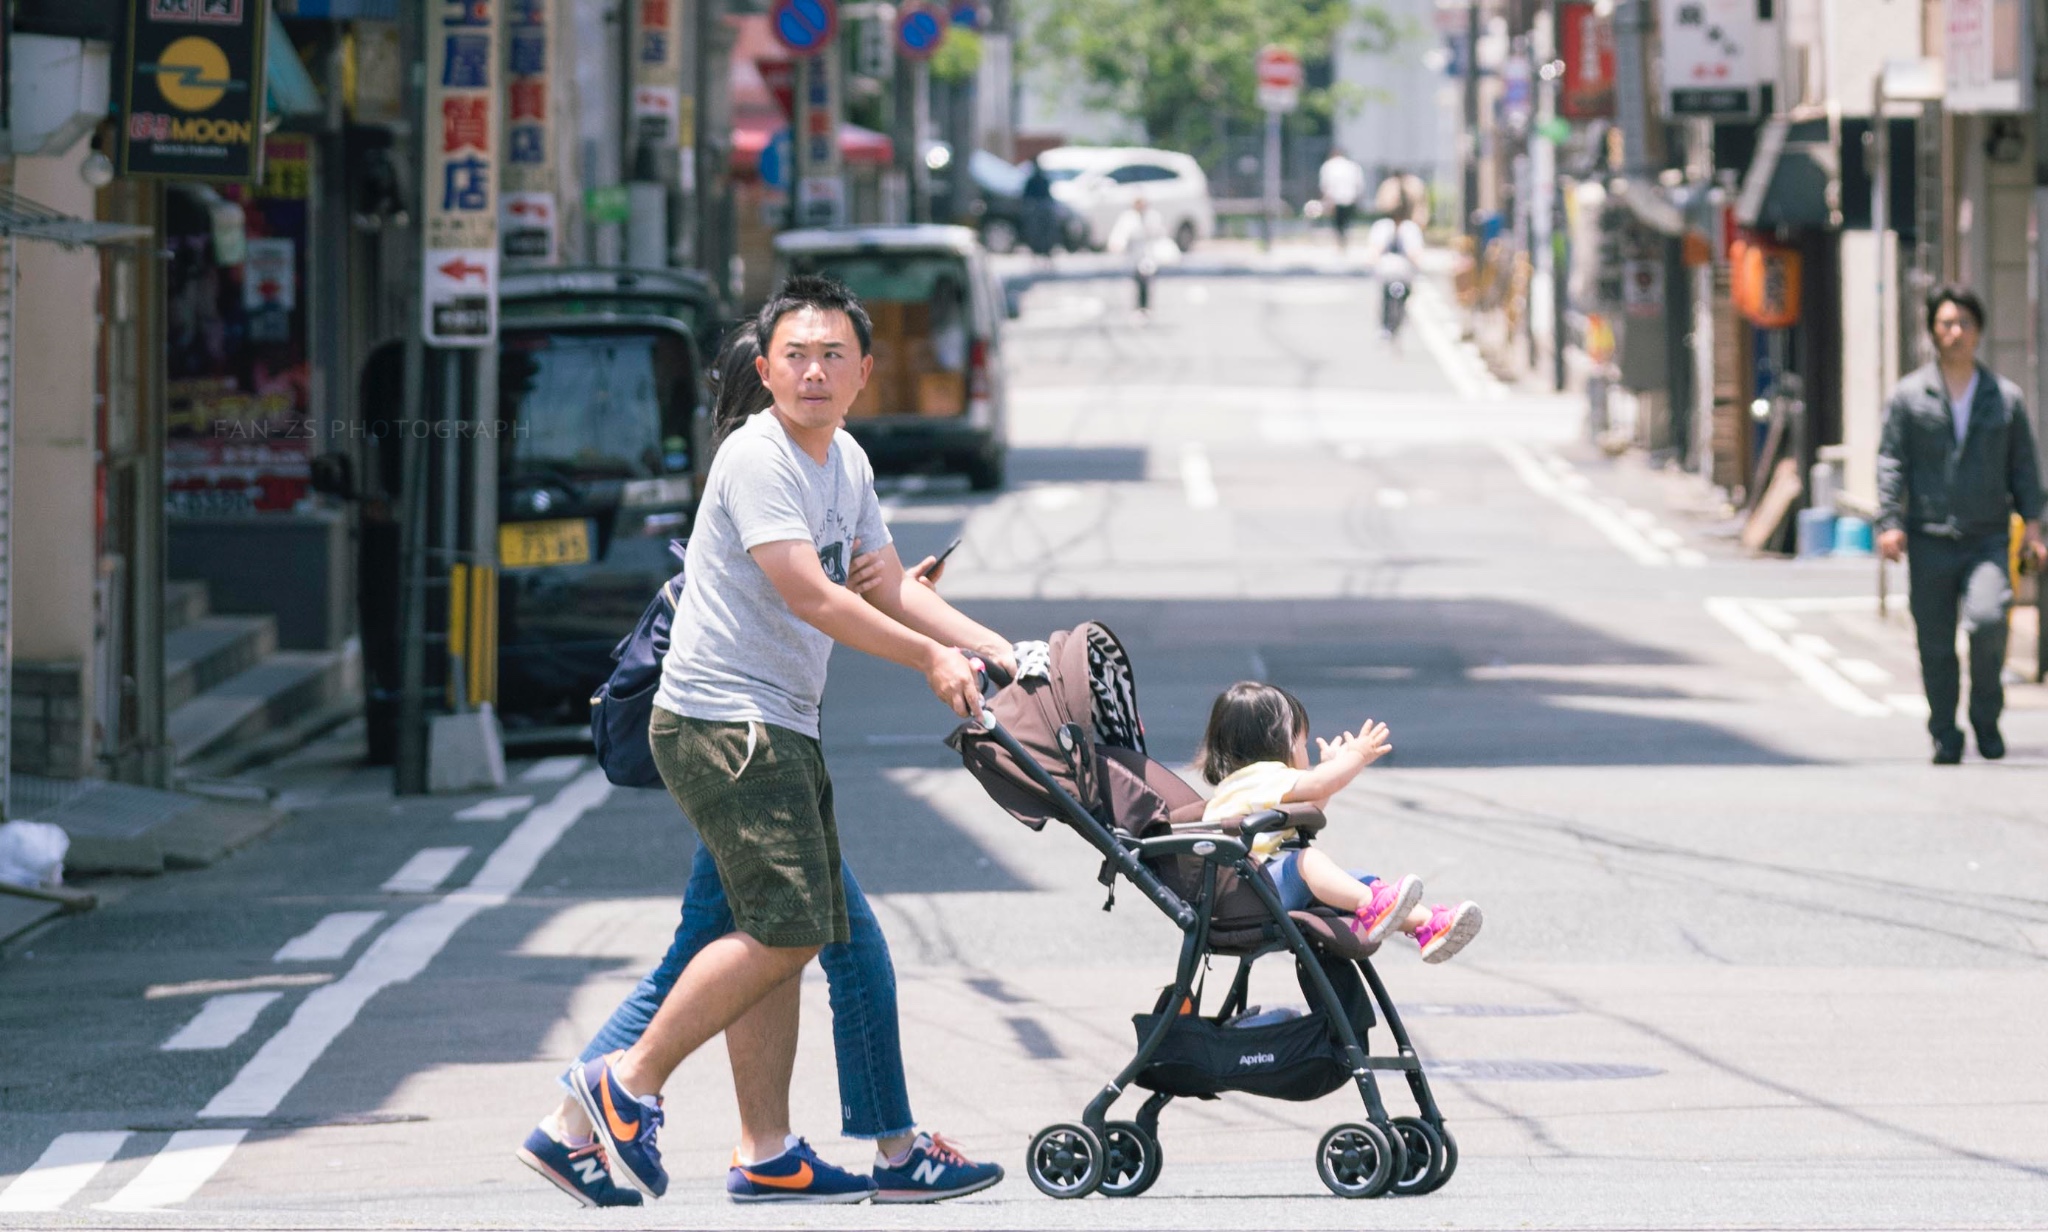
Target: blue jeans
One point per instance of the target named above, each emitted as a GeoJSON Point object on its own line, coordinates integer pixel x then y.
{"type": "Point", "coordinates": [873, 1101]}
{"type": "Point", "coordinates": [1285, 870]}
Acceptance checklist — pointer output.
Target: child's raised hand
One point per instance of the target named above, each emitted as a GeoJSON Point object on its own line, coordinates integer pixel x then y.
{"type": "Point", "coordinates": [1373, 742]}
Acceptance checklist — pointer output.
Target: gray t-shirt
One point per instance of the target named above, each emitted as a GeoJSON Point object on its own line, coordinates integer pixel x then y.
{"type": "Point", "coordinates": [738, 654]}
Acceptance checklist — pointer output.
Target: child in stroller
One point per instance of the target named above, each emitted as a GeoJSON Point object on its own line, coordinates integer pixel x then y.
{"type": "Point", "coordinates": [1063, 742]}
{"type": "Point", "coordinates": [1255, 753]}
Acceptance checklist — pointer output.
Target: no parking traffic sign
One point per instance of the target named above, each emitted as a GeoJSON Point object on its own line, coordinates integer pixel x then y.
{"type": "Point", "coordinates": [920, 28]}
{"type": "Point", "coordinates": [804, 26]}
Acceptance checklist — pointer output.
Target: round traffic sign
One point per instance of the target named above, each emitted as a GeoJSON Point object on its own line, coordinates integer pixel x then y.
{"type": "Point", "coordinates": [775, 159]}
{"type": "Point", "coordinates": [804, 26]}
{"type": "Point", "coordinates": [1279, 68]}
{"type": "Point", "coordinates": [920, 28]}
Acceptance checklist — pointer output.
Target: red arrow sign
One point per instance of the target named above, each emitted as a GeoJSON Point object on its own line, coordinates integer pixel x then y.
{"type": "Point", "coordinates": [461, 268]}
{"type": "Point", "coordinates": [520, 209]}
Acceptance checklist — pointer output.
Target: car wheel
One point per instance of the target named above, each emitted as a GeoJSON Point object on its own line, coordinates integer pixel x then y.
{"type": "Point", "coordinates": [999, 235]}
{"type": "Point", "coordinates": [1184, 235]}
{"type": "Point", "coordinates": [985, 470]}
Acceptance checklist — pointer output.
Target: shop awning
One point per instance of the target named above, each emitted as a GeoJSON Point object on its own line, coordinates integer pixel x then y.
{"type": "Point", "coordinates": [857, 146]}
{"type": "Point", "coordinates": [21, 218]}
{"type": "Point", "coordinates": [1788, 181]}
{"type": "Point", "coordinates": [288, 87]}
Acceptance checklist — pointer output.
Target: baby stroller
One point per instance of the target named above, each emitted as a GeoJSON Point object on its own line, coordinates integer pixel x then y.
{"type": "Point", "coordinates": [1064, 742]}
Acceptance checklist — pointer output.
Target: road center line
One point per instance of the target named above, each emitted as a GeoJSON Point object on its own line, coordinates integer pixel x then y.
{"type": "Point", "coordinates": [1602, 519]}
{"type": "Point", "coordinates": [177, 1171]}
{"type": "Point", "coordinates": [220, 1022]}
{"type": "Point", "coordinates": [497, 808]}
{"type": "Point", "coordinates": [1823, 679]}
{"type": "Point", "coordinates": [66, 1166]}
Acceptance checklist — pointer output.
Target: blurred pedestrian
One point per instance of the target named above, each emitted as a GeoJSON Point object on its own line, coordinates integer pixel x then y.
{"type": "Point", "coordinates": [1341, 181]}
{"type": "Point", "coordinates": [1041, 216]}
{"type": "Point", "coordinates": [1138, 234]}
{"type": "Point", "coordinates": [1955, 462]}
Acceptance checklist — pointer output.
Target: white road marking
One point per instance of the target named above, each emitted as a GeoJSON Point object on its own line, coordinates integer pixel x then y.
{"type": "Point", "coordinates": [1773, 614]}
{"type": "Point", "coordinates": [1468, 376]}
{"type": "Point", "coordinates": [399, 954]}
{"type": "Point", "coordinates": [424, 873]}
{"type": "Point", "coordinates": [497, 808]}
{"type": "Point", "coordinates": [1664, 537]}
{"type": "Point", "coordinates": [1814, 644]}
{"type": "Point", "coordinates": [220, 1022]}
{"type": "Point", "coordinates": [206, 988]}
{"type": "Point", "coordinates": [1824, 680]}
{"type": "Point", "coordinates": [334, 936]}
{"type": "Point", "coordinates": [1054, 497]}
{"type": "Point", "coordinates": [1913, 705]}
{"type": "Point", "coordinates": [1393, 498]}
{"type": "Point", "coordinates": [1690, 558]}
{"type": "Point", "coordinates": [66, 1166]}
{"type": "Point", "coordinates": [176, 1173]}
{"type": "Point", "coordinates": [1602, 519]}
{"type": "Point", "coordinates": [1197, 479]}
{"type": "Point", "coordinates": [552, 769]}
{"type": "Point", "coordinates": [1863, 671]}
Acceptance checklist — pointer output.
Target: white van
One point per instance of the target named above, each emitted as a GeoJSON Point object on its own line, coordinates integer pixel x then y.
{"type": "Point", "coordinates": [1101, 182]}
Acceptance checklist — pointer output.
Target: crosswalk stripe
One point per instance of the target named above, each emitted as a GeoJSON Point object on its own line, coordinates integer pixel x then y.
{"type": "Point", "coordinates": [175, 1173]}
{"type": "Point", "coordinates": [66, 1166]}
{"type": "Point", "coordinates": [425, 872]}
{"type": "Point", "coordinates": [220, 1022]}
{"type": "Point", "coordinates": [331, 938]}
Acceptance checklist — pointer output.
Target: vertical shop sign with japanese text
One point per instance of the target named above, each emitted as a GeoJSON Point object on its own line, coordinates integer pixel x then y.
{"type": "Point", "coordinates": [821, 182]}
{"type": "Point", "coordinates": [657, 71]}
{"type": "Point", "coordinates": [530, 224]}
{"type": "Point", "coordinates": [1585, 42]}
{"type": "Point", "coordinates": [192, 90]}
{"type": "Point", "coordinates": [460, 279]}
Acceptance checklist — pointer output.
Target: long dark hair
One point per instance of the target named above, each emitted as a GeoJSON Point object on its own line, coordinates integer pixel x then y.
{"type": "Point", "coordinates": [1251, 722]}
{"type": "Point", "coordinates": [736, 383]}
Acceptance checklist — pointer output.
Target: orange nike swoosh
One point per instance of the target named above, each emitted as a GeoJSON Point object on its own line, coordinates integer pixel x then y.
{"type": "Point", "coordinates": [795, 1180]}
{"type": "Point", "coordinates": [620, 1128]}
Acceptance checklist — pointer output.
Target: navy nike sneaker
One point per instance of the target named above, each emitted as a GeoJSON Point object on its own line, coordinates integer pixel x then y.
{"type": "Point", "coordinates": [578, 1171]}
{"type": "Point", "coordinates": [626, 1124]}
{"type": "Point", "coordinates": [933, 1171]}
{"type": "Point", "coordinates": [796, 1175]}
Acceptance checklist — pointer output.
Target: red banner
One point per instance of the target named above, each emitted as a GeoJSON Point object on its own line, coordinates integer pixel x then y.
{"type": "Point", "coordinates": [1587, 41]}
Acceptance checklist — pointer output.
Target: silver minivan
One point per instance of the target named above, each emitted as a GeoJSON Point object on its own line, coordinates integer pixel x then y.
{"type": "Point", "coordinates": [936, 399]}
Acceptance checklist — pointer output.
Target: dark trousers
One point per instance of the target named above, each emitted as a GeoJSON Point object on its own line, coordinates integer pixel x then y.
{"type": "Point", "coordinates": [1966, 577]}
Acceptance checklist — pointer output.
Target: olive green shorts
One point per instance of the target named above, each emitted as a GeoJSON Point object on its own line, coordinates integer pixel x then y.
{"type": "Point", "coordinates": [762, 804]}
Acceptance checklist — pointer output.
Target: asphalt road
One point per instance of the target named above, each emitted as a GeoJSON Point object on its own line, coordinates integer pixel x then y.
{"type": "Point", "coordinates": [1749, 960]}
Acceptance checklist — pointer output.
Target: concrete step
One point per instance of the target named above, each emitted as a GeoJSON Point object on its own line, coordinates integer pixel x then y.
{"type": "Point", "coordinates": [275, 694]}
{"type": "Point", "coordinates": [185, 603]}
{"type": "Point", "coordinates": [123, 828]}
{"type": "Point", "coordinates": [212, 650]}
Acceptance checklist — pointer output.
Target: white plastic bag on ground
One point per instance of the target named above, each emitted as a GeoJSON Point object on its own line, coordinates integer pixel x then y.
{"type": "Point", "coordinates": [32, 854]}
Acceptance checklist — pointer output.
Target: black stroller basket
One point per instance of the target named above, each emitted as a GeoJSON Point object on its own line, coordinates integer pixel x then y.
{"type": "Point", "coordinates": [1039, 749]}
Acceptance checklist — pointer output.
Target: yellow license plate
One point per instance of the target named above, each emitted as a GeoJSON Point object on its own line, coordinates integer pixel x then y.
{"type": "Point", "coordinates": [533, 545]}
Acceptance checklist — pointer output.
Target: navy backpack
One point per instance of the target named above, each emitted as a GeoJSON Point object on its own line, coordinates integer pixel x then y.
{"type": "Point", "coordinates": [623, 704]}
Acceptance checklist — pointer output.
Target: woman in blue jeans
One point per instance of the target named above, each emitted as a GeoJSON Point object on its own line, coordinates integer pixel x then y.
{"type": "Point", "coordinates": [874, 1102]}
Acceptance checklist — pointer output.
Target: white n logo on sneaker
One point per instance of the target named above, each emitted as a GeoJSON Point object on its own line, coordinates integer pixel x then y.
{"type": "Point", "coordinates": [928, 1172]}
{"type": "Point", "coordinates": [589, 1169]}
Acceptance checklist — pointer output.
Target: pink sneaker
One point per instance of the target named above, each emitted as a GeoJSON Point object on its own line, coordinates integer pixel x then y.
{"type": "Point", "coordinates": [1390, 904]}
{"type": "Point", "coordinates": [1449, 930]}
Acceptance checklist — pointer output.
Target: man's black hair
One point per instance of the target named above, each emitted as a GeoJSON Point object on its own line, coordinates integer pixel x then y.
{"type": "Point", "coordinates": [800, 291]}
{"type": "Point", "coordinates": [1961, 296]}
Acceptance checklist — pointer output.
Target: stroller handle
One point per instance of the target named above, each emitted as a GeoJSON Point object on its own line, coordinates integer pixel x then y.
{"type": "Point", "coordinates": [986, 673]}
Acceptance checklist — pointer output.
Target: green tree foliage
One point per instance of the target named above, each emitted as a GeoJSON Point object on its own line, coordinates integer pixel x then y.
{"type": "Point", "coordinates": [1184, 68]}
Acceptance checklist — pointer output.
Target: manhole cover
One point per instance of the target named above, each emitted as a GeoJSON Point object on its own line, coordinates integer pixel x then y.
{"type": "Point", "coordinates": [1535, 1071]}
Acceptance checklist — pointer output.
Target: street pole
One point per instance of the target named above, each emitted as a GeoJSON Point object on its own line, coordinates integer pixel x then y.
{"type": "Point", "coordinates": [1272, 186]}
{"type": "Point", "coordinates": [409, 769]}
{"type": "Point", "coordinates": [1471, 189]}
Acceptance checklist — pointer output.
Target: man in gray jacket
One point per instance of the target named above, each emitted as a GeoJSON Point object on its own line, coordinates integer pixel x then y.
{"type": "Point", "coordinates": [1956, 462]}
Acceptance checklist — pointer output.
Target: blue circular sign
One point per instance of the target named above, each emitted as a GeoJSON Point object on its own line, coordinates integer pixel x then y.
{"type": "Point", "coordinates": [775, 160]}
{"type": "Point", "coordinates": [967, 15]}
{"type": "Point", "coordinates": [804, 26]}
{"type": "Point", "coordinates": [920, 28]}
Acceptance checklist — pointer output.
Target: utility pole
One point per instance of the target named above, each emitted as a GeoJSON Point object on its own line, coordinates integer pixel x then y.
{"type": "Point", "coordinates": [1471, 190]}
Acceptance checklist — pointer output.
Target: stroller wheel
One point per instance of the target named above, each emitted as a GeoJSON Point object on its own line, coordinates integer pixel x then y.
{"type": "Point", "coordinates": [1358, 1161]}
{"type": "Point", "coordinates": [1423, 1156]}
{"type": "Point", "coordinates": [1450, 1160]}
{"type": "Point", "coordinates": [1133, 1160]}
{"type": "Point", "coordinates": [1065, 1161]}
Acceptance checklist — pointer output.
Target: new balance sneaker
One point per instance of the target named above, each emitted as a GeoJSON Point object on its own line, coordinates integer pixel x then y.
{"type": "Point", "coordinates": [1390, 904]}
{"type": "Point", "coordinates": [626, 1124]}
{"type": "Point", "coordinates": [796, 1175]}
{"type": "Point", "coordinates": [578, 1171]}
{"type": "Point", "coordinates": [932, 1170]}
{"type": "Point", "coordinates": [1449, 930]}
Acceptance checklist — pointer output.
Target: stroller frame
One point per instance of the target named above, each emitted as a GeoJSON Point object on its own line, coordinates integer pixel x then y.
{"type": "Point", "coordinates": [1405, 1155]}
